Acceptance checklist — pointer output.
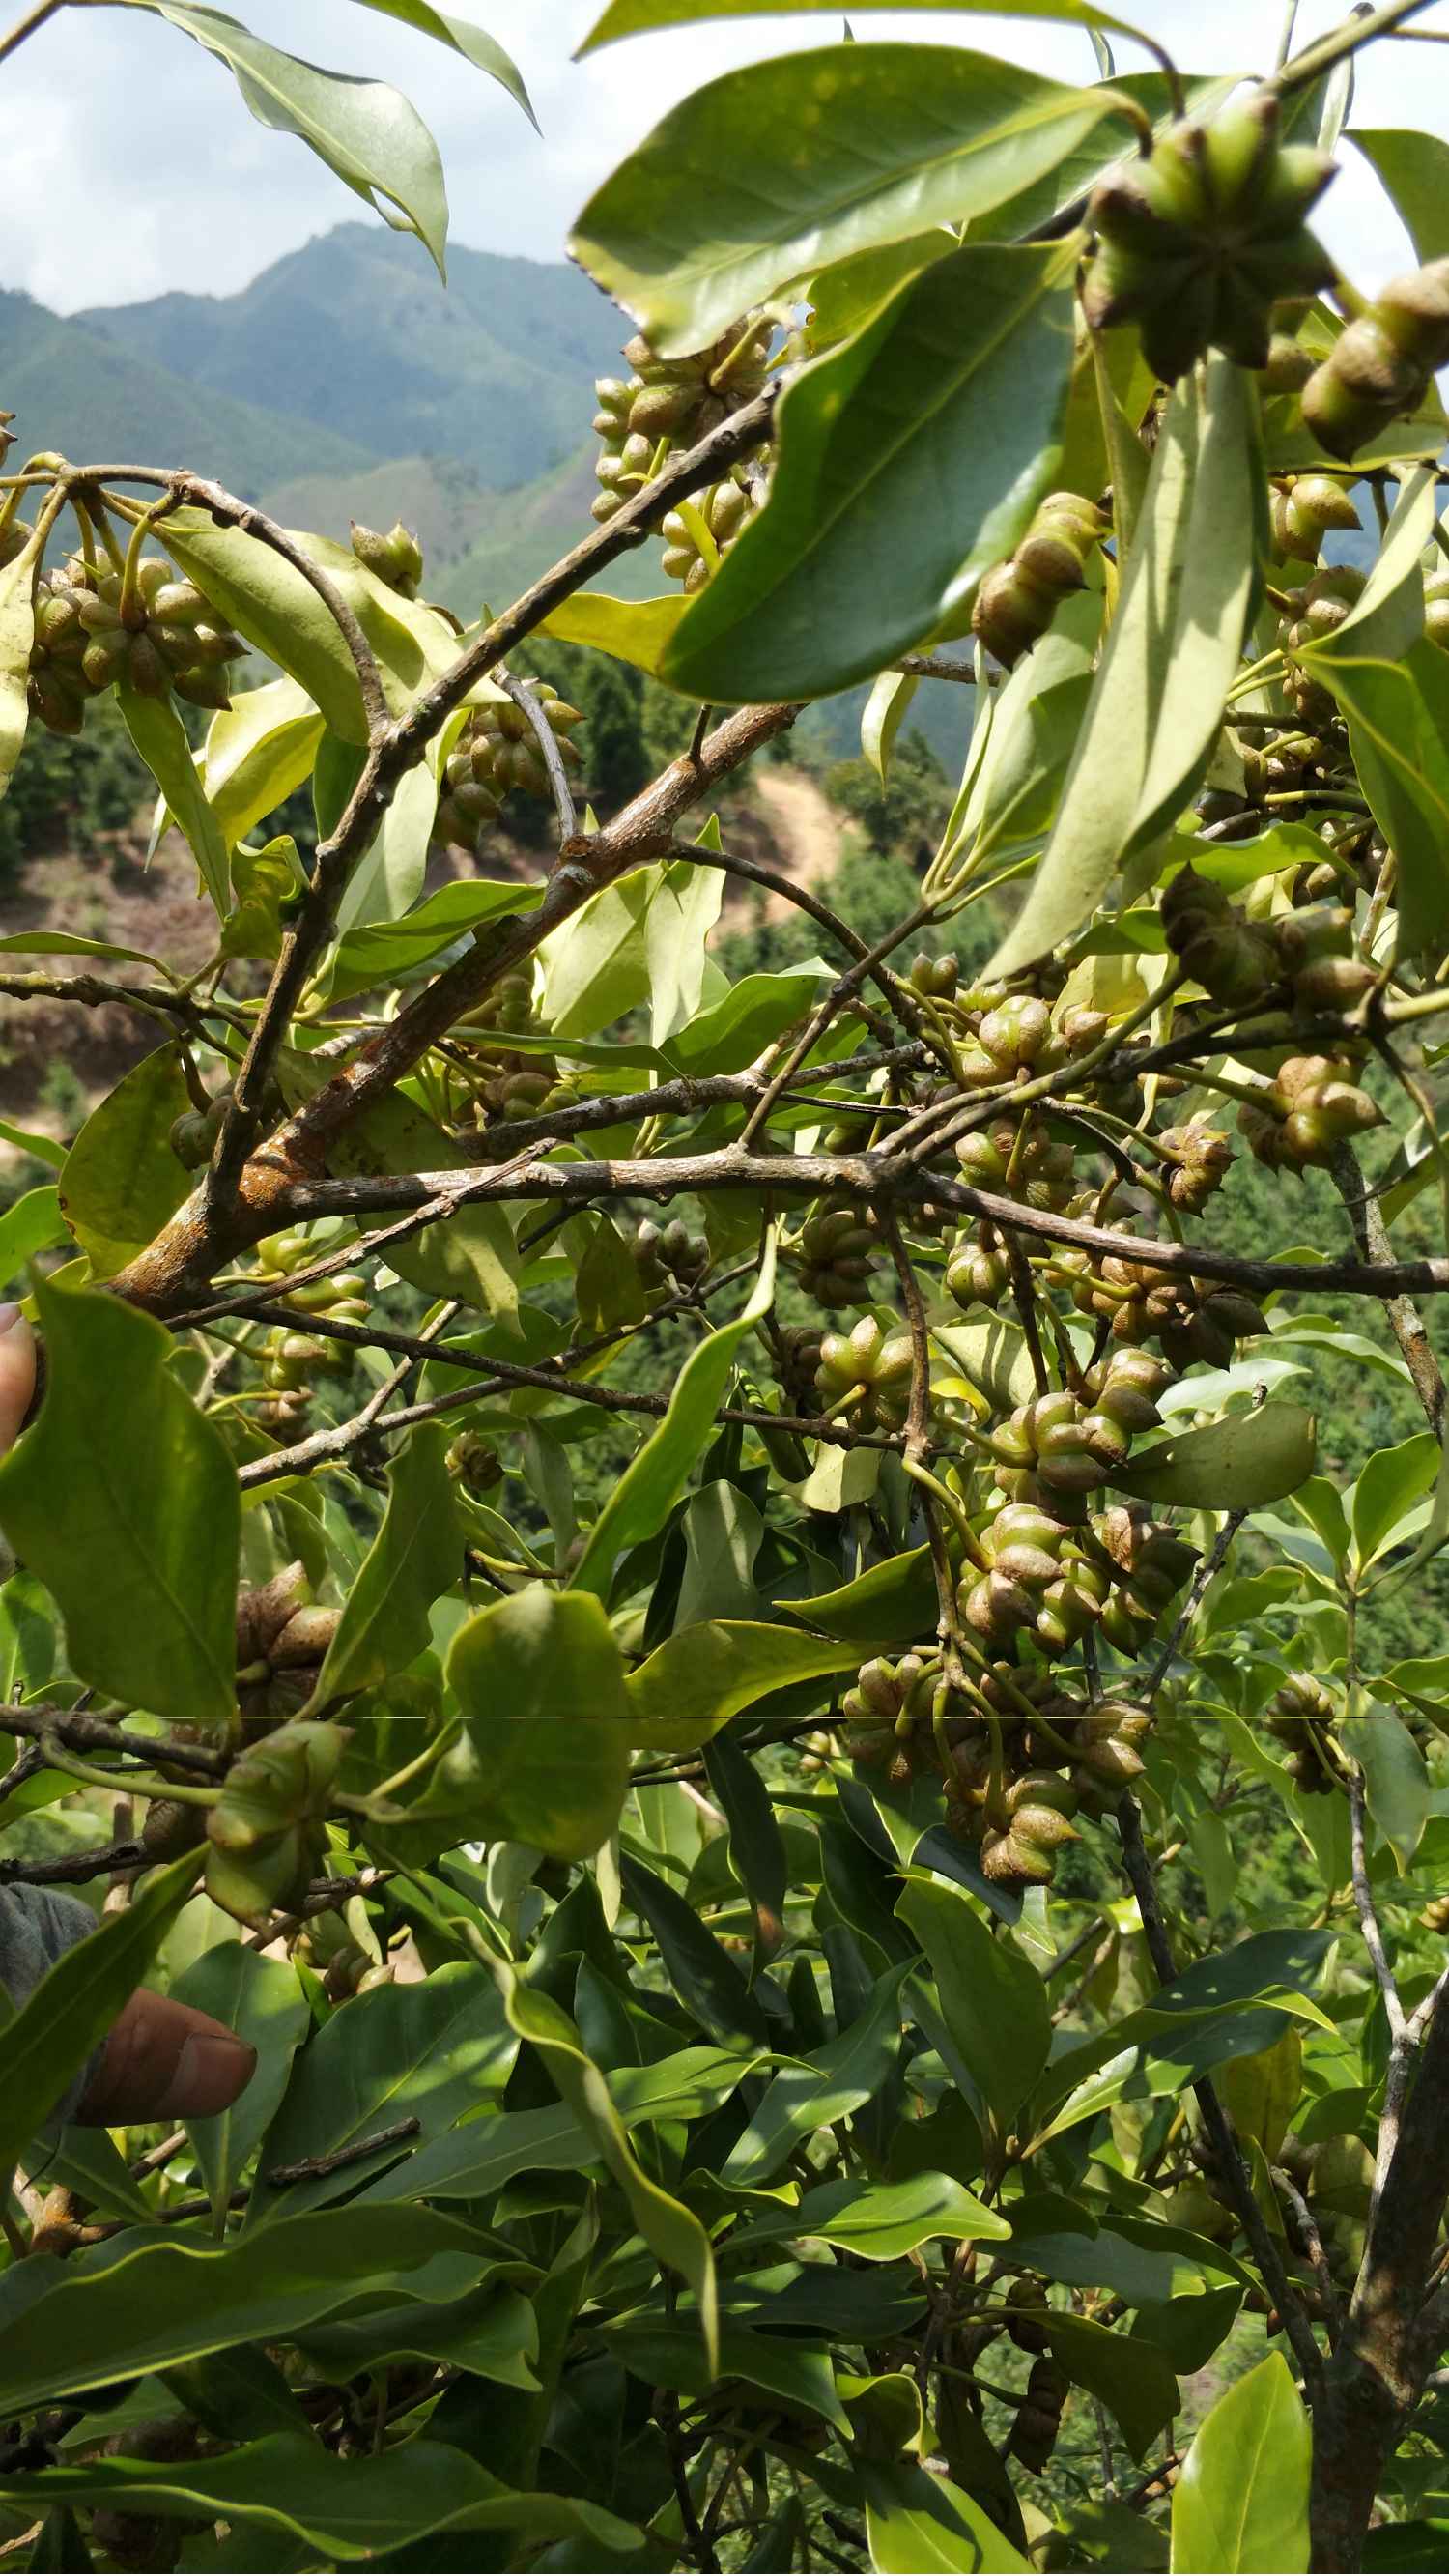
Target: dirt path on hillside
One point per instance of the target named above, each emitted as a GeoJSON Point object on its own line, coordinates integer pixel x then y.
{"type": "Point", "coordinates": [805, 829]}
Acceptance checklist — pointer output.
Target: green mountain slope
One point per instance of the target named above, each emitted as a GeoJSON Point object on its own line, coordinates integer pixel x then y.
{"type": "Point", "coordinates": [354, 334]}
{"type": "Point", "coordinates": [95, 398]}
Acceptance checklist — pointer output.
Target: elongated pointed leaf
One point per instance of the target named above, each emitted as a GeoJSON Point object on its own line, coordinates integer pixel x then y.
{"type": "Point", "coordinates": [428, 2052]}
{"type": "Point", "coordinates": [1398, 731]}
{"type": "Point", "coordinates": [17, 634]}
{"type": "Point", "coordinates": [471, 42]}
{"type": "Point", "coordinates": [992, 2001]}
{"type": "Point", "coordinates": [837, 2079]}
{"type": "Point", "coordinates": [909, 460]}
{"type": "Point", "coordinates": [347, 2509]}
{"type": "Point", "coordinates": [1241, 2501]}
{"type": "Point", "coordinates": [257, 751]}
{"type": "Point", "coordinates": [1414, 168]}
{"type": "Point", "coordinates": [1234, 1465]}
{"type": "Point", "coordinates": [416, 1555]}
{"type": "Point", "coordinates": [639, 17]}
{"type": "Point", "coordinates": [879, 2222]}
{"type": "Point", "coordinates": [121, 1181]}
{"type": "Point", "coordinates": [920, 2525]}
{"type": "Point", "coordinates": [31, 1225]}
{"type": "Point", "coordinates": [163, 743]}
{"type": "Point", "coordinates": [142, 1559]}
{"type": "Point", "coordinates": [49, 2040]}
{"type": "Point", "coordinates": [694, 1682]}
{"type": "Point", "coordinates": [368, 133]}
{"type": "Point", "coordinates": [651, 1483]}
{"type": "Point", "coordinates": [1174, 645]}
{"type": "Point", "coordinates": [261, 2000]}
{"type": "Point", "coordinates": [784, 167]}
{"type": "Point", "coordinates": [672, 2230]}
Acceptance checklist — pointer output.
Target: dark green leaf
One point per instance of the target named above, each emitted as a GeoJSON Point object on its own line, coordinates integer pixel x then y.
{"type": "Point", "coordinates": [1396, 1778]}
{"type": "Point", "coordinates": [1244, 1460]}
{"type": "Point", "coordinates": [704, 1976]}
{"type": "Point", "coordinates": [941, 422]}
{"type": "Point", "coordinates": [1398, 731]}
{"type": "Point", "coordinates": [120, 1181]}
{"type": "Point", "coordinates": [721, 206]}
{"type": "Point", "coordinates": [387, 952]}
{"type": "Point", "coordinates": [430, 2052]}
{"type": "Point", "coordinates": [1174, 646]}
{"type": "Point", "coordinates": [646, 1492]}
{"type": "Point", "coordinates": [1131, 2376]}
{"type": "Point", "coordinates": [262, 2002]}
{"type": "Point", "coordinates": [839, 2078]}
{"type": "Point", "coordinates": [143, 1560]}
{"type": "Point", "coordinates": [992, 2001]}
{"type": "Point", "coordinates": [354, 2508]}
{"type": "Point", "coordinates": [878, 2222]}
{"type": "Point", "coordinates": [757, 1846]}
{"type": "Point", "coordinates": [416, 1555]}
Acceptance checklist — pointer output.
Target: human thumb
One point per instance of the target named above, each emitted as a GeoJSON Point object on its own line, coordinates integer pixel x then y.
{"type": "Point", "coordinates": [17, 1374]}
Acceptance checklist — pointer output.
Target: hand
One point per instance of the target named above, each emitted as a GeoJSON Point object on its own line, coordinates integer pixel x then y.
{"type": "Point", "coordinates": [162, 2061]}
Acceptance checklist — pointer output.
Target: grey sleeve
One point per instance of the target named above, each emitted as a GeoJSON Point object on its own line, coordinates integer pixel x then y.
{"type": "Point", "coordinates": [37, 1927]}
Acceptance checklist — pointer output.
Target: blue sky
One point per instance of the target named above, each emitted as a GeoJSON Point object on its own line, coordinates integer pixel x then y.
{"type": "Point", "coordinates": [131, 166]}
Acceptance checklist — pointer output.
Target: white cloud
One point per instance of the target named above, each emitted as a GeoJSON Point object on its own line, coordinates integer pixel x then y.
{"type": "Point", "coordinates": [132, 167]}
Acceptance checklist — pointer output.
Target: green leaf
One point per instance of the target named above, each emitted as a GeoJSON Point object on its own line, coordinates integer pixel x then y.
{"type": "Point", "coordinates": [482, 50]}
{"type": "Point", "coordinates": [993, 2002]}
{"type": "Point", "coordinates": [349, 2509]}
{"type": "Point", "coordinates": [276, 608]}
{"type": "Point", "coordinates": [708, 1982]}
{"type": "Point", "coordinates": [1234, 1465]}
{"type": "Point", "coordinates": [637, 631]}
{"type": "Point", "coordinates": [69, 2013]}
{"type": "Point", "coordinates": [486, 2330]}
{"type": "Point", "coordinates": [1241, 2500]}
{"type": "Point", "coordinates": [722, 205]}
{"type": "Point", "coordinates": [993, 1356]}
{"type": "Point", "coordinates": [885, 712]}
{"type": "Point", "coordinates": [17, 634]}
{"type": "Point", "coordinates": [691, 1684]}
{"type": "Point", "coordinates": [745, 1020]}
{"type": "Point", "coordinates": [416, 1555]}
{"type": "Point", "coordinates": [145, 2301]}
{"type": "Point", "coordinates": [1396, 1778]}
{"type": "Point", "coordinates": [29, 1225]}
{"type": "Point", "coordinates": [165, 746]}
{"type": "Point", "coordinates": [918, 2524]}
{"type": "Point", "coordinates": [258, 750]}
{"type": "Point", "coordinates": [431, 2052]}
{"type": "Point", "coordinates": [474, 2160]}
{"type": "Point", "coordinates": [1414, 168]}
{"type": "Point", "coordinates": [367, 133]}
{"type": "Point", "coordinates": [1131, 2376]}
{"type": "Point", "coordinates": [672, 2231]}
{"type": "Point", "coordinates": [890, 1602]}
{"type": "Point", "coordinates": [1389, 1485]}
{"type": "Point", "coordinates": [262, 882]}
{"type": "Point", "coordinates": [827, 2086]}
{"type": "Point", "coordinates": [756, 1845]}
{"type": "Point", "coordinates": [878, 2222]}
{"type": "Point", "coordinates": [389, 875]}
{"type": "Point", "coordinates": [543, 1756]}
{"type": "Point", "coordinates": [640, 17]}
{"type": "Point", "coordinates": [671, 2356]}
{"type": "Point", "coordinates": [1174, 645]}
{"type": "Point", "coordinates": [27, 1140]}
{"type": "Point", "coordinates": [1398, 732]}
{"type": "Point", "coordinates": [262, 2002]}
{"type": "Point", "coordinates": [650, 1485]}
{"type": "Point", "coordinates": [142, 1562]}
{"type": "Point", "coordinates": [941, 422]}
{"type": "Point", "coordinates": [1262, 2091]}
{"type": "Point", "coordinates": [120, 1182]}
{"type": "Point", "coordinates": [1389, 615]}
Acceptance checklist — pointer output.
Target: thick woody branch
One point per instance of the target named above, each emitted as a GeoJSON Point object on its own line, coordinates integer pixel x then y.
{"type": "Point", "coordinates": [884, 1177]}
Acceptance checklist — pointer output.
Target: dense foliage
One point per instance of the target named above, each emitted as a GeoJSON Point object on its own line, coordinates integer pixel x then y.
{"type": "Point", "coordinates": [694, 1577]}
